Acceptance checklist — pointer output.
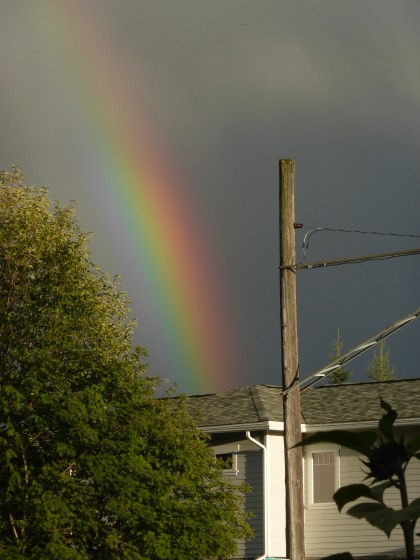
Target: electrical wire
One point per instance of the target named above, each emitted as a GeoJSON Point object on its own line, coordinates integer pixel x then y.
{"type": "Point", "coordinates": [354, 260]}
{"type": "Point", "coordinates": [319, 228]}
{"type": "Point", "coordinates": [312, 230]}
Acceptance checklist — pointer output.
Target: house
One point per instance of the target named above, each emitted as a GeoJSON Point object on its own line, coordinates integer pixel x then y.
{"type": "Point", "coordinates": [246, 429]}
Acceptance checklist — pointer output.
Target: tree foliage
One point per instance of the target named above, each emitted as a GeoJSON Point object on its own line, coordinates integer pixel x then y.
{"type": "Point", "coordinates": [386, 460]}
{"type": "Point", "coordinates": [380, 368]}
{"type": "Point", "coordinates": [92, 464]}
{"type": "Point", "coordinates": [340, 375]}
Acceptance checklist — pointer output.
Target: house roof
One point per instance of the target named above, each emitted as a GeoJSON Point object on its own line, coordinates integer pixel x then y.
{"type": "Point", "coordinates": [329, 404]}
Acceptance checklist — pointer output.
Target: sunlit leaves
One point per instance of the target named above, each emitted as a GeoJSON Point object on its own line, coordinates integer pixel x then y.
{"type": "Point", "coordinates": [92, 465]}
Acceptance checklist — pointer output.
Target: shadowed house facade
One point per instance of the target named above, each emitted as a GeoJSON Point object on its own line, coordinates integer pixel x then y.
{"type": "Point", "coordinates": [246, 430]}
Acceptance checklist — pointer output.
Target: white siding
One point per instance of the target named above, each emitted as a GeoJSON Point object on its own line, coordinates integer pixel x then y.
{"type": "Point", "coordinates": [327, 531]}
{"type": "Point", "coordinates": [276, 496]}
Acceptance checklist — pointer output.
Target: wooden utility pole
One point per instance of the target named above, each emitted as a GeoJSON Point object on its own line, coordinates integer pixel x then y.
{"type": "Point", "coordinates": [290, 366]}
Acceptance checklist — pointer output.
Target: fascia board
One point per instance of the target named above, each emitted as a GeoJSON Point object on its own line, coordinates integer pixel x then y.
{"type": "Point", "coordinates": [358, 425]}
{"type": "Point", "coordinates": [266, 426]}
{"type": "Point", "coordinates": [270, 425]}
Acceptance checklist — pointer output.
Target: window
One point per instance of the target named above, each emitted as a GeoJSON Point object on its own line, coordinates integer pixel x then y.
{"type": "Point", "coordinates": [323, 475]}
{"type": "Point", "coordinates": [323, 469]}
{"type": "Point", "coordinates": [229, 462]}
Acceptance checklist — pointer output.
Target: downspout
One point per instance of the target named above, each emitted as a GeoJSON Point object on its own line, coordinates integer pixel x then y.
{"type": "Point", "coordinates": [265, 492]}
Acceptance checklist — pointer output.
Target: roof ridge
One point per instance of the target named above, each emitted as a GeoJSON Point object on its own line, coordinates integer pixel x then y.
{"type": "Point", "coordinates": [254, 399]}
{"type": "Point", "coordinates": [364, 383]}
{"type": "Point", "coordinates": [260, 404]}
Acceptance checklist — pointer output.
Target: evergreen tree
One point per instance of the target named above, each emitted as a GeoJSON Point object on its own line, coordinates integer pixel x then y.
{"type": "Point", "coordinates": [92, 465]}
{"type": "Point", "coordinates": [340, 375]}
{"type": "Point", "coordinates": [380, 368]}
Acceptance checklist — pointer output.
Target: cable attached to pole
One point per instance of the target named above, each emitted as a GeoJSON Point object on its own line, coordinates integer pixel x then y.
{"type": "Point", "coordinates": [354, 352]}
{"type": "Point", "coordinates": [353, 260]}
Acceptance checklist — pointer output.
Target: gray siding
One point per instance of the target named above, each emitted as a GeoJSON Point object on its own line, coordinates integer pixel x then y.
{"type": "Point", "coordinates": [327, 531]}
{"type": "Point", "coordinates": [249, 471]}
{"type": "Point", "coordinates": [254, 503]}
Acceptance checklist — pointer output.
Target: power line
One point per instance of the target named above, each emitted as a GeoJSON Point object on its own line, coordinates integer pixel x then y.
{"type": "Point", "coordinates": [354, 260]}
{"type": "Point", "coordinates": [351, 260]}
{"type": "Point", "coordinates": [319, 228]}
{"type": "Point", "coordinates": [312, 230]}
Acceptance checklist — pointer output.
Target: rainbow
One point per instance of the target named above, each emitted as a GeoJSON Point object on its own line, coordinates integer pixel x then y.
{"type": "Point", "coordinates": [180, 275]}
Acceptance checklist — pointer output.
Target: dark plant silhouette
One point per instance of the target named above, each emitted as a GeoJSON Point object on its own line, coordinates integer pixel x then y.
{"type": "Point", "coordinates": [386, 462]}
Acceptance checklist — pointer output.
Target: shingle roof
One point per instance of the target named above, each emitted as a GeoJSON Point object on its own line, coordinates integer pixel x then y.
{"type": "Point", "coordinates": [329, 404]}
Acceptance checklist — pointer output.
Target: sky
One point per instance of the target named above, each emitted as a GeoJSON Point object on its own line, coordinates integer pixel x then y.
{"type": "Point", "coordinates": [165, 121]}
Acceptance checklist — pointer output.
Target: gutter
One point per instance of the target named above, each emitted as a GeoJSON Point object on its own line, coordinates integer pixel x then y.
{"type": "Point", "coordinates": [362, 424]}
{"type": "Point", "coordinates": [265, 492]}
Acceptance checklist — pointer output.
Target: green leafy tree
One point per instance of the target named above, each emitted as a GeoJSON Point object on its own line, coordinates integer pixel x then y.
{"type": "Point", "coordinates": [340, 375]}
{"type": "Point", "coordinates": [386, 460]}
{"type": "Point", "coordinates": [92, 464]}
{"type": "Point", "coordinates": [380, 368]}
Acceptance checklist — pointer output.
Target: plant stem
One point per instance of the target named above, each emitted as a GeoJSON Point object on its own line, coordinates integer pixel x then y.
{"type": "Point", "coordinates": [13, 524]}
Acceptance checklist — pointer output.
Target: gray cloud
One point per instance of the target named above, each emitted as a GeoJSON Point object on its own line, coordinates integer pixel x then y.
{"type": "Point", "coordinates": [235, 85]}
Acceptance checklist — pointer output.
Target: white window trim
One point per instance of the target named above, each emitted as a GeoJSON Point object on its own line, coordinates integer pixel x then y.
{"type": "Point", "coordinates": [234, 469]}
{"type": "Point", "coordinates": [229, 448]}
{"type": "Point", "coordinates": [320, 448]}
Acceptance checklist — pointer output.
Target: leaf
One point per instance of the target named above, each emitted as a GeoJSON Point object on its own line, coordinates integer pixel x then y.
{"type": "Point", "coordinates": [413, 446]}
{"type": "Point", "coordinates": [383, 517]}
{"type": "Point", "coordinates": [386, 423]}
{"type": "Point", "coordinates": [378, 515]}
{"type": "Point", "coordinates": [360, 441]}
{"type": "Point", "coordinates": [339, 556]}
{"type": "Point", "coordinates": [353, 492]}
{"type": "Point", "coordinates": [410, 513]}
{"type": "Point", "coordinates": [379, 489]}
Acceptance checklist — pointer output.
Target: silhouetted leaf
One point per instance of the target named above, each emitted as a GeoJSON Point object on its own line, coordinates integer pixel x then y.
{"type": "Point", "coordinates": [339, 556]}
{"type": "Point", "coordinates": [410, 513]}
{"type": "Point", "coordinates": [413, 446]}
{"type": "Point", "coordinates": [353, 492]}
{"type": "Point", "coordinates": [386, 423]}
{"type": "Point", "coordinates": [378, 515]}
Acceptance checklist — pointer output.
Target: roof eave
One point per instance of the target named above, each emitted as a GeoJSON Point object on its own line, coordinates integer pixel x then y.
{"type": "Point", "coordinates": [358, 425]}
{"type": "Point", "coordinates": [268, 425]}
{"type": "Point", "coordinates": [272, 426]}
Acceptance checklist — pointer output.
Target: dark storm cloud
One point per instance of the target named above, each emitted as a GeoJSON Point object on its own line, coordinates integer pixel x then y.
{"type": "Point", "coordinates": [236, 85]}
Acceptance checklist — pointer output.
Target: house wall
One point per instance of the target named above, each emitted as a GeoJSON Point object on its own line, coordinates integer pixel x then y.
{"type": "Point", "coordinates": [276, 492]}
{"type": "Point", "coordinates": [327, 531]}
{"type": "Point", "coordinates": [249, 470]}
